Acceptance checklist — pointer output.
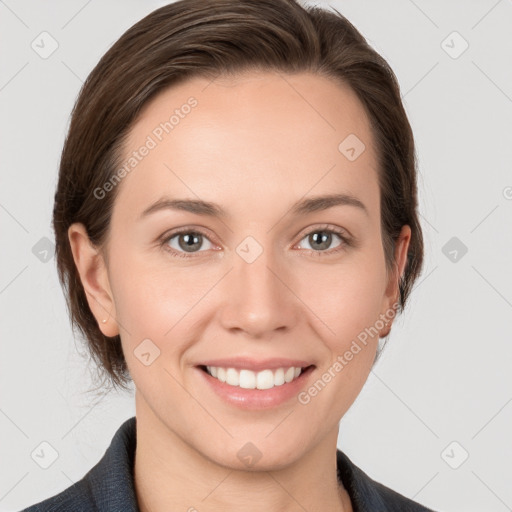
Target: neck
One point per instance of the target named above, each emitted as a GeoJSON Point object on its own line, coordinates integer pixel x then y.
{"type": "Point", "coordinates": [171, 474]}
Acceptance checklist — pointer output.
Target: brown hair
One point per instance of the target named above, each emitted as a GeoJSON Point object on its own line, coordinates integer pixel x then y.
{"type": "Point", "coordinates": [208, 38]}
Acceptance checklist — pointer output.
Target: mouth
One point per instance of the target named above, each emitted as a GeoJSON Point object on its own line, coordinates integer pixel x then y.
{"type": "Point", "coordinates": [261, 380]}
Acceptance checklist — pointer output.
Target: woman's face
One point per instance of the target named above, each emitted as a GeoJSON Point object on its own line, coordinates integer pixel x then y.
{"type": "Point", "coordinates": [263, 281]}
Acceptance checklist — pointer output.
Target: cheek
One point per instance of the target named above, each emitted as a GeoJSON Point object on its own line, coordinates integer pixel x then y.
{"type": "Point", "coordinates": [149, 318]}
{"type": "Point", "coordinates": [349, 305]}
{"type": "Point", "coordinates": [142, 286]}
{"type": "Point", "coordinates": [349, 302]}
{"type": "Point", "coordinates": [141, 298]}
{"type": "Point", "coordinates": [347, 298]}
{"type": "Point", "coordinates": [154, 300]}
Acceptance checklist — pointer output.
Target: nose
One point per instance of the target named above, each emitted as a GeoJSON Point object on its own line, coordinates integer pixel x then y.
{"type": "Point", "coordinates": [259, 298]}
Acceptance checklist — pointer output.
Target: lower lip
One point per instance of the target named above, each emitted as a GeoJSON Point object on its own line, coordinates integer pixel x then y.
{"type": "Point", "coordinates": [257, 398]}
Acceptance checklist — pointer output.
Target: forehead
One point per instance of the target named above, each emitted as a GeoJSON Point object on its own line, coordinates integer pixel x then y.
{"type": "Point", "coordinates": [242, 140]}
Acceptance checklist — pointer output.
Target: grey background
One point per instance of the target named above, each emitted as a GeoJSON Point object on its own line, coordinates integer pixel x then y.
{"type": "Point", "coordinates": [445, 374]}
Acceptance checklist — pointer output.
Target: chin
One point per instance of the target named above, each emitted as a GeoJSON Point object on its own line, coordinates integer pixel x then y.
{"type": "Point", "coordinates": [253, 456]}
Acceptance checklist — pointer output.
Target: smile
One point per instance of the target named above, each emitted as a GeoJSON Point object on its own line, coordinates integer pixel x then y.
{"type": "Point", "coordinates": [248, 379]}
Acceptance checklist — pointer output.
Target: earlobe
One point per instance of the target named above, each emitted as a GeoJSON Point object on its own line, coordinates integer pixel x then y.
{"type": "Point", "coordinates": [91, 266]}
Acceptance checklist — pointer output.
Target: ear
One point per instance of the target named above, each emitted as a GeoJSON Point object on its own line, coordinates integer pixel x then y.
{"type": "Point", "coordinates": [92, 268]}
{"type": "Point", "coordinates": [393, 289]}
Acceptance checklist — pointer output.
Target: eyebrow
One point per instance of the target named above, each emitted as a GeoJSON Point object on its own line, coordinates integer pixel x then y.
{"type": "Point", "coordinates": [302, 207]}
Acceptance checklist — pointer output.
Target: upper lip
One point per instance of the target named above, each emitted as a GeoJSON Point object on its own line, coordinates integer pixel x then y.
{"type": "Point", "coordinates": [247, 363]}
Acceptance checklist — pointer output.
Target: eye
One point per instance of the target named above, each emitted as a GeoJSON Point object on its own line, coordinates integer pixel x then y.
{"type": "Point", "coordinates": [321, 239]}
{"type": "Point", "coordinates": [186, 242]}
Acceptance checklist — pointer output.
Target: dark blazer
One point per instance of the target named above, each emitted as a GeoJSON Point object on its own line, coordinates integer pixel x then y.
{"type": "Point", "coordinates": [109, 485]}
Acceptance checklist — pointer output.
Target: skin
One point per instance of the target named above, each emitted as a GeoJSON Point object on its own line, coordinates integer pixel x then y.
{"type": "Point", "coordinates": [255, 144]}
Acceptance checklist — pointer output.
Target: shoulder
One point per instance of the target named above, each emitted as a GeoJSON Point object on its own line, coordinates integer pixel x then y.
{"type": "Point", "coordinates": [367, 494]}
{"type": "Point", "coordinates": [107, 486]}
{"type": "Point", "coordinates": [76, 497]}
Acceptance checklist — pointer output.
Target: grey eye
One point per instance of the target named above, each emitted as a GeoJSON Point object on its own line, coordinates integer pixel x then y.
{"type": "Point", "coordinates": [188, 241]}
{"type": "Point", "coordinates": [321, 239]}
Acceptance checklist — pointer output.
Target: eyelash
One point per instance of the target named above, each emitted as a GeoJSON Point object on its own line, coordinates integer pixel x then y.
{"type": "Point", "coordinates": [346, 241]}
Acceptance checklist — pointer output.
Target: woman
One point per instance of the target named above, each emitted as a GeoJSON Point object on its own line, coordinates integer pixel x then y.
{"type": "Point", "coordinates": [236, 228]}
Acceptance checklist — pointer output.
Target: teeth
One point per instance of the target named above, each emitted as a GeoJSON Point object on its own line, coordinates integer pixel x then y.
{"type": "Point", "coordinates": [247, 379]}
{"type": "Point", "coordinates": [232, 377]}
